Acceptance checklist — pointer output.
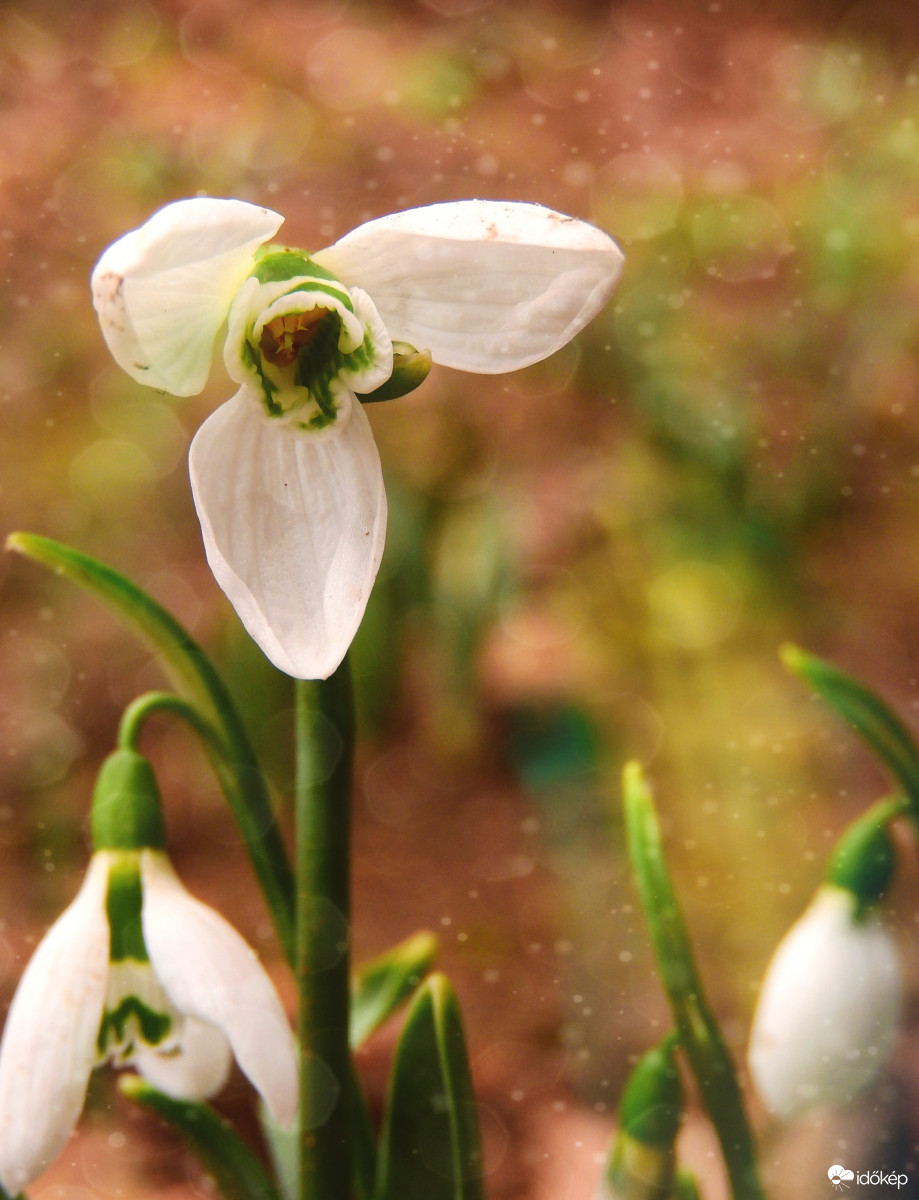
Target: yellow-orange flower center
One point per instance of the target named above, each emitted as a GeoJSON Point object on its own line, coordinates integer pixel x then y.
{"type": "Point", "coordinates": [284, 337]}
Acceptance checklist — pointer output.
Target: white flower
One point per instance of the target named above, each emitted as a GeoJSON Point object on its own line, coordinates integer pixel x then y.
{"type": "Point", "coordinates": [135, 971]}
{"type": "Point", "coordinates": [829, 1009]}
{"type": "Point", "coordinates": [286, 476]}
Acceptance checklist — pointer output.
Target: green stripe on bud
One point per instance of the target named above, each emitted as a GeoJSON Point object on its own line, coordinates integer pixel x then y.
{"type": "Point", "coordinates": [863, 860]}
{"type": "Point", "coordinates": [643, 1160]}
{"type": "Point", "coordinates": [151, 1026]}
{"type": "Point", "coordinates": [127, 813]}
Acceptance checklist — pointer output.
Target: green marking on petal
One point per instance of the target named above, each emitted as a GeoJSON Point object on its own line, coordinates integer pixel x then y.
{"type": "Point", "coordinates": [153, 1027]}
{"type": "Point", "coordinates": [252, 359]}
{"type": "Point", "coordinates": [124, 905]}
{"type": "Point", "coordinates": [317, 365]}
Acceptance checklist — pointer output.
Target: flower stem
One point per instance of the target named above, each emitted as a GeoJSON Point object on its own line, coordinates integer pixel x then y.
{"type": "Point", "coordinates": [325, 750]}
{"type": "Point", "coordinates": [698, 1031]}
{"type": "Point", "coordinates": [151, 703]}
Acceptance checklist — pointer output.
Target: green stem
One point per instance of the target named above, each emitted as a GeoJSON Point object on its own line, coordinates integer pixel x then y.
{"type": "Point", "coordinates": [699, 1033]}
{"type": "Point", "coordinates": [151, 703]}
{"type": "Point", "coordinates": [325, 711]}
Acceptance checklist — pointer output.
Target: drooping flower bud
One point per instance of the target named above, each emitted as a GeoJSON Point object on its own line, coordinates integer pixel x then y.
{"type": "Point", "coordinates": [829, 1009]}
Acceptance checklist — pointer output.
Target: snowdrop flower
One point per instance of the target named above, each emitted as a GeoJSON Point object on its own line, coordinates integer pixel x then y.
{"type": "Point", "coordinates": [135, 972]}
{"type": "Point", "coordinates": [286, 476]}
{"type": "Point", "coordinates": [829, 1010]}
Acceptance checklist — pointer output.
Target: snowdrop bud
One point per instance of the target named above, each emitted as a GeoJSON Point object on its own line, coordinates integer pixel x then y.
{"type": "Point", "coordinates": [643, 1160]}
{"type": "Point", "coordinates": [127, 812]}
{"type": "Point", "coordinates": [829, 1009]}
{"type": "Point", "coordinates": [410, 368]}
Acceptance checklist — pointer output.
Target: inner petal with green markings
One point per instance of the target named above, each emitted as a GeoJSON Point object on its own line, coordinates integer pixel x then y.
{"type": "Point", "coordinates": [137, 1011]}
{"type": "Point", "coordinates": [304, 343]}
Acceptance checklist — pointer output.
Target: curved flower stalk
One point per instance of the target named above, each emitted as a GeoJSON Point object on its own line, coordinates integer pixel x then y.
{"type": "Point", "coordinates": [138, 973]}
{"type": "Point", "coordinates": [829, 1010]}
{"type": "Point", "coordinates": [286, 476]}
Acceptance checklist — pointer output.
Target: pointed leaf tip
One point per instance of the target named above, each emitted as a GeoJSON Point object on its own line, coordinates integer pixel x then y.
{"type": "Point", "coordinates": [384, 984]}
{"type": "Point", "coordinates": [431, 1148]}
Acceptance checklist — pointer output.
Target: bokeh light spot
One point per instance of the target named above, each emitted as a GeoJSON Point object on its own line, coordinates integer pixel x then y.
{"type": "Point", "coordinates": [637, 197]}
{"type": "Point", "coordinates": [740, 238]}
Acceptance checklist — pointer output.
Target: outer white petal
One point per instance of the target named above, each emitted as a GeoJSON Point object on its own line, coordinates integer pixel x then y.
{"type": "Point", "coordinates": [293, 527]}
{"type": "Point", "coordinates": [209, 972]}
{"type": "Point", "coordinates": [485, 286]}
{"type": "Point", "coordinates": [163, 291]}
{"type": "Point", "coordinates": [829, 1010]}
{"type": "Point", "coordinates": [196, 1068]}
{"type": "Point", "coordinates": [49, 1043]}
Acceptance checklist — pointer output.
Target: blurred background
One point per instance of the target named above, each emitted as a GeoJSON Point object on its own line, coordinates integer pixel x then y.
{"type": "Point", "coordinates": [591, 560]}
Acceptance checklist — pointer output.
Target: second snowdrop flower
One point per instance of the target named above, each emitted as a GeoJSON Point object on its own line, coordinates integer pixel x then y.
{"type": "Point", "coordinates": [286, 476]}
{"type": "Point", "coordinates": [138, 973]}
{"type": "Point", "coordinates": [829, 1010]}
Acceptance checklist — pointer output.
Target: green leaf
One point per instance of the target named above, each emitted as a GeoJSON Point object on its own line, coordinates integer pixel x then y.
{"type": "Point", "coordinates": [687, 1187]}
{"type": "Point", "coordinates": [430, 1148]}
{"type": "Point", "coordinates": [867, 713]}
{"type": "Point", "coordinates": [382, 985]}
{"type": "Point", "coordinates": [194, 675]}
{"type": "Point", "coordinates": [698, 1030]}
{"type": "Point", "coordinates": [237, 1172]}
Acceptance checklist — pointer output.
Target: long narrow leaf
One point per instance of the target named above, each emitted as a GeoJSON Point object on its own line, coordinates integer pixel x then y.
{"type": "Point", "coordinates": [867, 713]}
{"type": "Point", "coordinates": [195, 677]}
{"type": "Point", "coordinates": [431, 1148]}
{"type": "Point", "coordinates": [237, 1172]}
{"type": "Point", "coordinates": [698, 1031]}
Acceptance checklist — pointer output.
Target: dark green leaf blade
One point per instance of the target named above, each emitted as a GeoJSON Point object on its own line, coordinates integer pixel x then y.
{"type": "Point", "coordinates": [859, 707]}
{"type": "Point", "coordinates": [431, 1148]}
{"type": "Point", "coordinates": [698, 1030]}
